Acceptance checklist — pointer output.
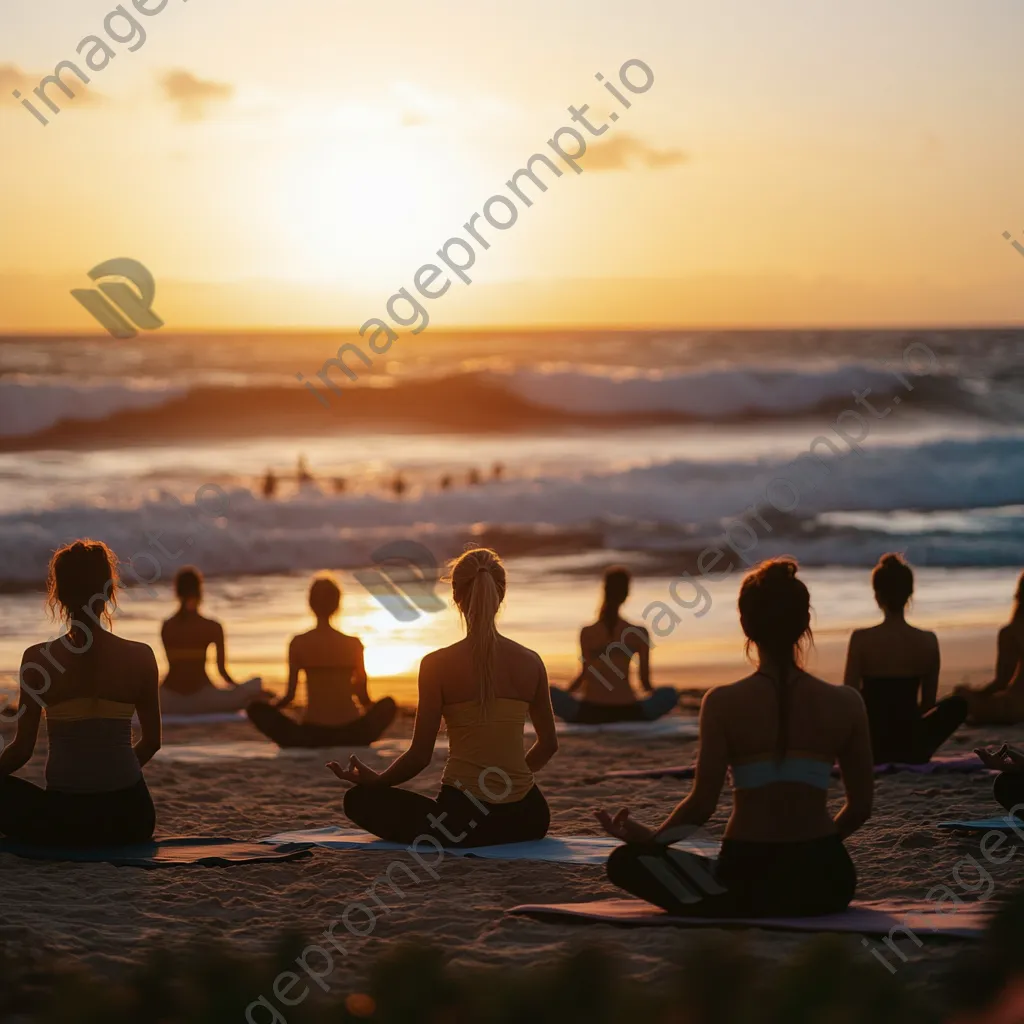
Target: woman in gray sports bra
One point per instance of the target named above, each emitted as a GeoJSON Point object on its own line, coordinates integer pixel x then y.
{"type": "Point", "coordinates": [780, 731]}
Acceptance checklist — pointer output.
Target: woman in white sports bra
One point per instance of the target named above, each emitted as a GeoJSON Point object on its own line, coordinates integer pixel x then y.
{"type": "Point", "coordinates": [780, 731]}
{"type": "Point", "coordinates": [89, 684]}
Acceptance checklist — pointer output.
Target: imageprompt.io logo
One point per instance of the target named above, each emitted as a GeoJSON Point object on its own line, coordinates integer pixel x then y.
{"type": "Point", "coordinates": [121, 308]}
{"type": "Point", "coordinates": [405, 580]}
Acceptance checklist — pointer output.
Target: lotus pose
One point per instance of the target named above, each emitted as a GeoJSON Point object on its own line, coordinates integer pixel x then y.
{"type": "Point", "coordinates": [1008, 788]}
{"type": "Point", "coordinates": [332, 663]}
{"type": "Point", "coordinates": [780, 730]}
{"type": "Point", "coordinates": [94, 682]}
{"type": "Point", "coordinates": [1001, 702]}
{"type": "Point", "coordinates": [607, 648]}
{"type": "Point", "coordinates": [484, 687]}
{"type": "Point", "coordinates": [187, 637]}
{"type": "Point", "coordinates": [896, 668]}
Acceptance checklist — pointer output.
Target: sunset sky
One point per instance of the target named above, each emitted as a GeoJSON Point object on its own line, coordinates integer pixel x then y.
{"type": "Point", "coordinates": [294, 164]}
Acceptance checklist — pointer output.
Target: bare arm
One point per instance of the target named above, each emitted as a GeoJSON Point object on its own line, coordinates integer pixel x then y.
{"type": "Point", "coordinates": [645, 661]}
{"type": "Point", "coordinates": [930, 680]}
{"type": "Point", "coordinates": [294, 668]}
{"type": "Point", "coordinates": [147, 707]}
{"type": "Point", "coordinates": [712, 764]}
{"type": "Point", "coordinates": [578, 681]}
{"type": "Point", "coordinates": [222, 667]}
{"type": "Point", "coordinates": [30, 709]}
{"type": "Point", "coordinates": [857, 769]}
{"type": "Point", "coordinates": [424, 733]}
{"type": "Point", "coordinates": [543, 718]}
{"type": "Point", "coordinates": [359, 681]}
{"type": "Point", "coordinates": [1008, 662]}
{"type": "Point", "coordinates": [853, 674]}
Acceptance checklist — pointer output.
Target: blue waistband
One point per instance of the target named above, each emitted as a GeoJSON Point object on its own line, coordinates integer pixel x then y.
{"type": "Point", "coordinates": [807, 770]}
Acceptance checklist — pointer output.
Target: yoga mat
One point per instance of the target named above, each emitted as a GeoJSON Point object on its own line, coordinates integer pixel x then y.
{"type": "Point", "coordinates": [559, 849]}
{"type": "Point", "coordinates": [672, 726]}
{"type": "Point", "coordinates": [207, 718]}
{"type": "Point", "coordinates": [965, 764]}
{"type": "Point", "coordinates": [165, 853]}
{"type": "Point", "coordinates": [1003, 824]}
{"type": "Point", "coordinates": [264, 750]}
{"type": "Point", "coordinates": [868, 918]}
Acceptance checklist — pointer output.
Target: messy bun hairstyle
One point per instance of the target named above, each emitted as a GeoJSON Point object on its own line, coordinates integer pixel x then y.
{"type": "Point", "coordinates": [775, 613]}
{"type": "Point", "coordinates": [893, 580]}
{"type": "Point", "coordinates": [478, 586]}
{"type": "Point", "coordinates": [81, 576]}
{"type": "Point", "coordinates": [616, 590]}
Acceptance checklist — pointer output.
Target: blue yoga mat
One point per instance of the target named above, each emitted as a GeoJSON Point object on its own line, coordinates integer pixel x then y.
{"type": "Point", "coordinates": [1004, 824]}
{"type": "Point", "coordinates": [165, 853]}
{"type": "Point", "coordinates": [560, 849]}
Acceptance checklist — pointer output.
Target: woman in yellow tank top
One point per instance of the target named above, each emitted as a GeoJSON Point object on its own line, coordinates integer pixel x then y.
{"type": "Point", "coordinates": [484, 687]}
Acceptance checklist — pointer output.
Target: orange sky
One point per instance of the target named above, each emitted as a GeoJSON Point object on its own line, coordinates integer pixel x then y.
{"type": "Point", "coordinates": [811, 164]}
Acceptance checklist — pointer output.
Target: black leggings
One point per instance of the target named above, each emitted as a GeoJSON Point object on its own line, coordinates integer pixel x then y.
{"type": "Point", "coordinates": [905, 736]}
{"type": "Point", "coordinates": [400, 816]}
{"type": "Point", "coordinates": [49, 817]}
{"type": "Point", "coordinates": [286, 732]}
{"type": "Point", "coordinates": [1009, 791]}
{"type": "Point", "coordinates": [749, 880]}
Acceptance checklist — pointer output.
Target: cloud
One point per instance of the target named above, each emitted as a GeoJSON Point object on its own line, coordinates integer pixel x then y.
{"type": "Point", "coordinates": [193, 96]}
{"type": "Point", "coordinates": [623, 151]}
{"type": "Point", "coordinates": [12, 77]}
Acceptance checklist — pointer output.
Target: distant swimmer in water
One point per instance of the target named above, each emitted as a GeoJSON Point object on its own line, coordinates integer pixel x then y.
{"type": "Point", "coordinates": [608, 646]}
{"type": "Point", "coordinates": [187, 636]}
{"type": "Point", "coordinates": [1001, 702]}
{"type": "Point", "coordinates": [779, 732]}
{"type": "Point", "coordinates": [332, 663]}
{"type": "Point", "coordinates": [483, 687]}
{"type": "Point", "coordinates": [95, 682]}
{"type": "Point", "coordinates": [269, 484]}
{"type": "Point", "coordinates": [895, 666]}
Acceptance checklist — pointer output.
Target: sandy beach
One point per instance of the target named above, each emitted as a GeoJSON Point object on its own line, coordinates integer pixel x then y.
{"type": "Point", "coordinates": [102, 914]}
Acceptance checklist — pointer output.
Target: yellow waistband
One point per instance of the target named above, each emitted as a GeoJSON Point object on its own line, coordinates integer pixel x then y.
{"type": "Point", "coordinates": [81, 708]}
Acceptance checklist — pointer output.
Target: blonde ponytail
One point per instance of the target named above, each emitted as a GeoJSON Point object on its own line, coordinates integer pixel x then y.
{"type": "Point", "coordinates": [478, 583]}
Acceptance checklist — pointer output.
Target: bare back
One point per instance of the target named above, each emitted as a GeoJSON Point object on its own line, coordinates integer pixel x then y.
{"type": "Point", "coordinates": [739, 726]}
{"type": "Point", "coordinates": [187, 638]}
{"type": "Point", "coordinates": [113, 669]}
{"type": "Point", "coordinates": [895, 649]}
{"type": "Point", "coordinates": [607, 656]}
{"type": "Point", "coordinates": [520, 673]}
{"type": "Point", "coordinates": [332, 662]}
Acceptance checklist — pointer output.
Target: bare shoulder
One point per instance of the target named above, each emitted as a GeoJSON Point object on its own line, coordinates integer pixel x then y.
{"type": "Point", "coordinates": [139, 653]}
{"type": "Point", "coordinates": [523, 654]}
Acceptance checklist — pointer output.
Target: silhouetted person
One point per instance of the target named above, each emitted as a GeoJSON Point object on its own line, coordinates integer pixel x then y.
{"type": "Point", "coordinates": [498, 471]}
{"type": "Point", "coordinates": [398, 485]}
{"type": "Point", "coordinates": [607, 647]}
{"type": "Point", "coordinates": [474, 477]}
{"type": "Point", "coordinates": [339, 484]}
{"type": "Point", "coordinates": [446, 482]}
{"type": "Point", "coordinates": [303, 474]}
{"type": "Point", "coordinates": [339, 711]}
{"type": "Point", "coordinates": [896, 668]}
{"type": "Point", "coordinates": [269, 484]}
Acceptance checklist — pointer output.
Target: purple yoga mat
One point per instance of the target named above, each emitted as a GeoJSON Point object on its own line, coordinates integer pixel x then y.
{"type": "Point", "coordinates": [878, 917]}
{"type": "Point", "coordinates": [964, 764]}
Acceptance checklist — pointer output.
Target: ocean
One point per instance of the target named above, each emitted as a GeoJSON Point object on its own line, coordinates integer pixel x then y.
{"type": "Point", "coordinates": [565, 450]}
